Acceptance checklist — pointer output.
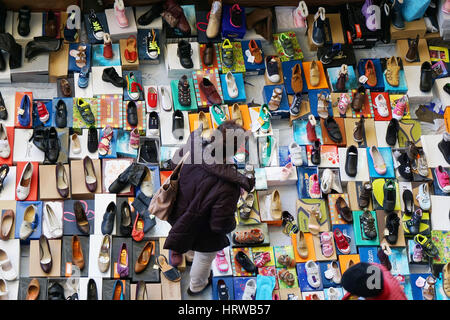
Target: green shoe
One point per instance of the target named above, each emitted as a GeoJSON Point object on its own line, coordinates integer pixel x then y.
{"type": "Point", "coordinates": [85, 111]}
{"type": "Point", "coordinates": [286, 44]}
{"type": "Point", "coordinates": [266, 152]}
{"type": "Point", "coordinates": [218, 114]}
{"type": "Point", "coordinates": [264, 118]}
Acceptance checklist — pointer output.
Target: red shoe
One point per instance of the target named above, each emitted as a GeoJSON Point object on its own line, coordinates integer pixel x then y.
{"type": "Point", "coordinates": [138, 228]}
{"type": "Point", "coordinates": [311, 128]}
{"type": "Point", "coordinates": [43, 112]}
{"type": "Point", "coordinates": [152, 97]}
{"type": "Point", "coordinates": [341, 242]}
{"type": "Point", "coordinates": [107, 47]}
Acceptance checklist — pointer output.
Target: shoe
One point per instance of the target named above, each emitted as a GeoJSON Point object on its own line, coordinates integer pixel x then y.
{"type": "Point", "coordinates": [392, 132]}
{"type": "Point", "coordinates": [408, 202]}
{"type": "Point", "coordinates": [92, 140]}
{"type": "Point", "coordinates": [249, 290]}
{"type": "Point", "coordinates": [147, 184]}
{"type": "Point", "coordinates": [185, 53]}
{"type": "Point", "coordinates": [343, 210]}
{"type": "Point", "coordinates": [105, 141]}
{"type": "Point", "coordinates": [84, 108]}
{"type": "Point", "coordinates": [126, 223]}
{"type": "Point", "coordinates": [318, 33]}
{"type": "Point", "coordinates": [272, 69]}
{"type": "Point", "coordinates": [23, 27]}
{"type": "Point", "coordinates": [391, 228]}
{"type": "Point", "coordinates": [166, 99]}
{"type": "Point", "coordinates": [365, 195]}
{"type": "Point", "coordinates": [7, 271]}
{"type": "Point", "coordinates": [332, 52]}
{"type": "Point", "coordinates": [218, 114]}
{"type": "Point", "coordinates": [313, 274]}
{"type": "Point", "coordinates": [61, 114]}
{"type": "Point", "coordinates": [232, 89]}
{"type": "Point", "coordinates": [5, 149]}
{"type": "Point", "coordinates": [7, 221]}
{"type": "Point", "coordinates": [110, 75]}
{"type": "Point", "coordinates": [222, 289]}
{"type": "Point", "coordinates": [3, 110]}
{"type": "Point", "coordinates": [302, 247]}
{"type": "Point", "coordinates": [358, 130]}
{"type": "Point", "coordinates": [107, 46]}
{"type": "Point", "coordinates": [92, 290]}
{"type": "Point", "coordinates": [444, 146]}
{"type": "Point", "coordinates": [326, 181]}
{"type": "Point", "coordinates": [296, 79]}
{"type": "Point", "coordinates": [23, 189]}
{"type": "Point", "coordinates": [404, 168]}
{"type": "Point", "coordinates": [392, 72]}
{"type": "Point", "coordinates": [150, 15]}
{"type": "Point", "coordinates": [413, 224]}
{"type": "Point", "coordinates": [351, 161]}
{"type": "Point", "coordinates": [236, 16]}
{"type": "Point", "coordinates": [132, 116]}
{"type": "Point", "coordinates": [54, 225]}
{"type": "Point", "coordinates": [342, 79]}
{"type": "Point", "coordinates": [245, 262]}
{"type": "Point", "coordinates": [42, 112]}
{"type": "Point", "coordinates": [178, 125]}
{"type": "Point", "coordinates": [427, 245]}
{"type": "Point", "coordinates": [119, 13]}
{"type": "Point", "coordinates": [215, 18]}
{"type": "Point", "coordinates": [446, 9]}
{"type": "Point", "coordinates": [118, 290]}
{"type": "Point", "coordinates": [210, 91]}
{"type": "Point", "coordinates": [311, 129]}
{"type": "Point", "coordinates": [333, 129]}
{"type": "Point", "coordinates": [109, 218]}
{"type": "Point", "coordinates": [75, 143]}
{"type": "Point", "coordinates": [45, 254]}
{"type": "Point", "coordinates": [358, 99]}
{"type": "Point", "coordinates": [184, 92]}
{"type": "Point", "coordinates": [29, 223]}
{"type": "Point", "coordinates": [227, 53]}
{"type": "Point", "coordinates": [411, 55]}
{"type": "Point", "coordinates": [314, 219]}
{"type": "Point", "coordinates": [208, 54]}
{"type": "Point", "coordinates": [104, 254]}
{"type": "Point", "coordinates": [446, 268]}
{"type": "Point", "coordinates": [174, 10]}
{"type": "Point", "coordinates": [381, 105]}
{"type": "Point", "coordinates": [314, 74]}
{"type": "Point", "coordinates": [70, 35]}
{"type": "Point", "coordinates": [275, 100]}
{"type": "Point", "coordinates": [149, 151]}
{"type": "Point", "coordinates": [323, 101]}
{"type": "Point", "coordinates": [315, 153]}
{"type": "Point", "coordinates": [383, 256]}
{"type": "Point", "coordinates": [255, 51]}
{"type": "Point", "coordinates": [144, 257]}
{"type": "Point", "coordinates": [134, 88]}
{"type": "Point", "coordinates": [96, 26]}
{"type": "Point", "coordinates": [294, 108]}
{"type": "Point", "coordinates": [314, 189]}
{"type": "Point", "coordinates": [426, 77]}
{"type": "Point", "coordinates": [153, 124]}
{"type": "Point", "coordinates": [442, 179]}
{"type": "Point", "coordinates": [341, 241]}
{"type": "Point", "coordinates": [77, 253]}
{"type": "Point", "coordinates": [378, 161]}
{"type": "Point", "coordinates": [295, 153]}
{"type": "Point", "coordinates": [122, 261]}
{"type": "Point", "coordinates": [275, 206]}
{"type": "Point", "coordinates": [141, 291]}
{"type": "Point", "coordinates": [24, 111]}
{"type": "Point", "coordinates": [299, 14]}
{"type": "Point", "coordinates": [286, 44]}
{"type": "Point", "coordinates": [264, 118]}
{"type": "Point", "coordinates": [122, 180]}
{"type": "Point", "coordinates": [41, 45]}
{"type": "Point", "coordinates": [53, 145]}
{"type": "Point", "coordinates": [397, 17]}
{"type": "Point", "coordinates": [81, 218]}
{"type": "Point", "coordinates": [83, 79]}
{"type": "Point", "coordinates": [390, 195]}
{"type": "Point", "coordinates": [152, 49]}
{"type": "Point", "coordinates": [368, 225]}
{"type": "Point", "coordinates": [33, 290]}
{"type": "Point", "coordinates": [370, 73]}
{"type": "Point", "coordinates": [62, 182]}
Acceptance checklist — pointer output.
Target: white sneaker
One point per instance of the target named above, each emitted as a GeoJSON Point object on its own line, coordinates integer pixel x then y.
{"type": "Point", "coordinates": [7, 271]}
{"type": "Point", "coordinates": [326, 182]}
{"type": "Point", "coordinates": [166, 100]}
{"type": "Point", "coordinates": [232, 88]}
{"type": "Point", "coordinates": [422, 166]}
{"type": "Point", "coordinates": [333, 294]}
{"type": "Point", "coordinates": [313, 274]}
{"type": "Point", "coordinates": [250, 290]}
{"type": "Point", "coordinates": [296, 154]}
{"type": "Point", "coordinates": [3, 288]}
{"type": "Point", "coordinates": [23, 189]}
{"type": "Point", "coordinates": [333, 273]}
{"type": "Point", "coordinates": [423, 197]}
{"type": "Point", "coordinates": [53, 224]}
{"type": "Point", "coordinates": [381, 105]}
{"type": "Point", "coordinates": [5, 149]}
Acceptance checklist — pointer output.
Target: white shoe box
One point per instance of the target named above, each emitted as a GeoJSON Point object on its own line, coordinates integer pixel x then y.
{"type": "Point", "coordinates": [101, 203]}
{"type": "Point", "coordinates": [100, 87]}
{"type": "Point", "coordinates": [440, 206]}
{"type": "Point", "coordinates": [58, 209]}
{"type": "Point", "coordinates": [25, 150]}
{"type": "Point", "coordinates": [380, 130]}
{"type": "Point", "coordinates": [362, 168]}
{"type": "Point", "coordinates": [84, 149]}
{"type": "Point", "coordinates": [83, 287]}
{"type": "Point", "coordinates": [415, 95]}
{"type": "Point", "coordinates": [167, 138]}
{"type": "Point", "coordinates": [83, 92]}
{"type": "Point", "coordinates": [285, 20]}
{"type": "Point", "coordinates": [439, 93]}
{"type": "Point", "coordinates": [430, 148]}
{"type": "Point", "coordinates": [273, 175]}
{"type": "Point", "coordinates": [173, 65]}
{"type": "Point", "coordinates": [9, 186]}
{"type": "Point", "coordinates": [116, 31]}
{"type": "Point", "coordinates": [12, 249]}
{"type": "Point", "coordinates": [95, 243]}
{"type": "Point", "coordinates": [36, 23]}
{"type": "Point", "coordinates": [155, 24]}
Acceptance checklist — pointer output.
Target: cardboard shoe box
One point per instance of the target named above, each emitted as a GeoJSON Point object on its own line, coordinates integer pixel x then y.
{"type": "Point", "coordinates": [79, 189]}
{"type": "Point", "coordinates": [48, 185]}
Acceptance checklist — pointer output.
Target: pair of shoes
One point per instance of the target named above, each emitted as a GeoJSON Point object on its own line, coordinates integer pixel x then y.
{"type": "Point", "coordinates": [47, 140]}
{"type": "Point", "coordinates": [133, 174]}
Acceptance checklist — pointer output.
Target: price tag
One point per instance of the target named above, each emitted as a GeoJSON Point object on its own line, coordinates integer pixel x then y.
{"type": "Point", "coordinates": [116, 274]}
{"type": "Point", "coordinates": [68, 269]}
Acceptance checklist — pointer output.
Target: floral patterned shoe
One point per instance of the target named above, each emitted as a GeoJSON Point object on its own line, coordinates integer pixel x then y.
{"type": "Point", "coordinates": [105, 141]}
{"type": "Point", "coordinates": [261, 259]}
{"type": "Point", "coordinates": [134, 138]}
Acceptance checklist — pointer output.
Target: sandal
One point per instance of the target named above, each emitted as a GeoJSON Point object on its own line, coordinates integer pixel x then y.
{"type": "Point", "coordinates": [275, 101]}
{"type": "Point", "coordinates": [221, 261]}
{"type": "Point", "coordinates": [286, 277]}
{"type": "Point", "coordinates": [130, 51]}
{"type": "Point", "coordinates": [428, 291]}
{"type": "Point", "coordinates": [326, 244]}
{"type": "Point", "coordinates": [103, 146]}
{"type": "Point", "coordinates": [286, 260]}
{"type": "Point", "coordinates": [171, 273]}
{"type": "Point", "coordinates": [322, 104]}
{"type": "Point", "coordinates": [80, 58]}
{"type": "Point", "coordinates": [252, 236]}
{"type": "Point", "coordinates": [314, 220]}
{"type": "Point", "coordinates": [261, 258]}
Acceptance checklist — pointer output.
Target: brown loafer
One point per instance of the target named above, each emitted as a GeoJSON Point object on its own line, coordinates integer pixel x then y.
{"type": "Point", "coordinates": [210, 91]}
{"type": "Point", "coordinates": [7, 224]}
{"type": "Point", "coordinates": [33, 290]}
{"type": "Point", "coordinates": [77, 253]}
{"type": "Point", "coordinates": [296, 80]}
{"type": "Point", "coordinates": [343, 210]}
{"type": "Point", "coordinates": [90, 178]}
{"type": "Point", "coordinates": [65, 88]}
{"type": "Point", "coordinates": [81, 218]}
{"type": "Point", "coordinates": [358, 99]}
{"type": "Point", "coordinates": [144, 257]}
{"type": "Point", "coordinates": [371, 73]}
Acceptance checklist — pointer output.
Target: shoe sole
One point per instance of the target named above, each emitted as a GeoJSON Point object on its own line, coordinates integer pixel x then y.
{"type": "Point", "coordinates": [317, 44]}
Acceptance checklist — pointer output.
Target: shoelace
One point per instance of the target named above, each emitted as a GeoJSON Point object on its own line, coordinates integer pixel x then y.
{"type": "Point", "coordinates": [135, 86]}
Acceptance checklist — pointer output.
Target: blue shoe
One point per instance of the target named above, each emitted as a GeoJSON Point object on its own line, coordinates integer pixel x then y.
{"type": "Point", "coordinates": [264, 118]}
{"type": "Point", "coordinates": [24, 111]}
{"type": "Point", "coordinates": [397, 18]}
{"type": "Point", "coordinates": [318, 33]}
{"type": "Point", "coordinates": [117, 293]}
{"type": "Point", "coordinates": [83, 79]}
{"type": "Point", "coordinates": [218, 114]}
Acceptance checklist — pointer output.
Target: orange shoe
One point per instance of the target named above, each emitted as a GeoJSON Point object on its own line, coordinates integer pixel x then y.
{"type": "Point", "coordinates": [255, 51]}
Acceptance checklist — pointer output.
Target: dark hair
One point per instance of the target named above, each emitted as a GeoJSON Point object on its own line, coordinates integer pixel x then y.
{"type": "Point", "coordinates": [223, 128]}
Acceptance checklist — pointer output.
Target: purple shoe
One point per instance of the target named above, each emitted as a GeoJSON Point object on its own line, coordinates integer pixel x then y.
{"type": "Point", "coordinates": [122, 261]}
{"type": "Point", "coordinates": [372, 19]}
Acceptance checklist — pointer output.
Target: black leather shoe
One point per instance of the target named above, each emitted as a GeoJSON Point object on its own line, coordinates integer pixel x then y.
{"type": "Point", "coordinates": [351, 161]}
{"type": "Point", "coordinates": [245, 262]}
{"type": "Point", "coordinates": [178, 125]}
{"type": "Point", "coordinates": [447, 88]}
{"type": "Point", "coordinates": [23, 28]}
{"type": "Point", "coordinates": [41, 45]}
{"type": "Point", "coordinates": [408, 202]}
{"type": "Point", "coordinates": [185, 53]}
{"type": "Point", "coordinates": [126, 221]}
{"type": "Point", "coordinates": [92, 290]}
{"type": "Point", "coordinates": [4, 169]}
{"type": "Point", "coordinates": [426, 77]}
{"type": "Point", "coordinates": [92, 140]}
{"type": "Point", "coordinates": [122, 181]}
{"type": "Point", "coordinates": [39, 138]}
{"type": "Point", "coordinates": [390, 195]}
{"type": "Point", "coordinates": [3, 111]}
{"type": "Point", "coordinates": [109, 217]}
{"type": "Point", "coordinates": [404, 168]}
{"type": "Point", "coordinates": [8, 44]}
{"type": "Point", "coordinates": [148, 17]}
{"type": "Point", "coordinates": [333, 129]}
{"type": "Point", "coordinates": [149, 152]}
{"type": "Point", "coordinates": [61, 114]}
{"type": "Point", "coordinates": [391, 132]}
{"type": "Point", "coordinates": [315, 153]}
{"type": "Point", "coordinates": [110, 75]}
{"type": "Point", "coordinates": [52, 145]}
{"type": "Point", "coordinates": [55, 292]}
{"type": "Point", "coordinates": [132, 116]}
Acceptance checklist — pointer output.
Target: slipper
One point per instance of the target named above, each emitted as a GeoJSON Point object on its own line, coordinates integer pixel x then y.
{"type": "Point", "coordinates": [130, 51]}
{"type": "Point", "coordinates": [221, 262]}
{"type": "Point", "coordinates": [171, 273]}
{"type": "Point", "coordinates": [265, 286]}
{"type": "Point", "coordinates": [378, 191]}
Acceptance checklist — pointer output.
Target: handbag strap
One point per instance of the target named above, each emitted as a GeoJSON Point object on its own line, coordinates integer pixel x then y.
{"type": "Point", "coordinates": [177, 170]}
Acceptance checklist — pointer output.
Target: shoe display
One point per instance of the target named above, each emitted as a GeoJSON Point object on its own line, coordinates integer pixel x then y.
{"type": "Point", "coordinates": [381, 105]}
{"type": "Point", "coordinates": [24, 111]}
{"type": "Point", "coordinates": [152, 48]}
{"type": "Point", "coordinates": [368, 225]}
{"type": "Point", "coordinates": [427, 245]}
{"type": "Point", "coordinates": [110, 75]}
{"type": "Point", "coordinates": [272, 69]}
{"type": "Point", "coordinates": [378, 160]}
{"type": "Point", "coordinates": [245, 262]}
{"type": "Point", "coordinates": [318, 33]}
{"type": "Point", "coordinates": [84, 108]}
{"type": "Point", "coordinates": [92, 140]}
{"type": "Point", "coordinates": [341, 242]}
{"type": "Point", "coordinates": [390, 195]}
{"type": "Point", "coordinates": [391, 228]}
{"type": "Point", "coordinates": [215, 17]}
{"type": "Point", "coordinates": [413, 224]}
{"type": "Point", "coordinates": [96, 26]}
{"type": "Point", "coordinates": [392, 73]}
{"type": "Point", "coordinates": [81, 218]}
{"type": "Point", "coordinates": [210, 91]}
{"type": "Point", "coordinates": [314, 74]}
{"type": "Point", "coordinates": [62, 182]}
{"type": "Point", "coordinates": [109, 218]}
{"type": "Point", "coordinates": [286, 44]}
{"type": "Point", "coordinates": [296, 105]}
{"type": "Point", "coordinates": [275, 100]}
{"type": "Point", "coordinates": [370, 73]}
{"type": "Point", "coordinates": [104, 254]}
{"type": "Point", "coordinates": [184, 53]}
{"type": "Point", "coordinates": [29, 223]}
{"type": "Point", "coordinates": [232, 89]}
{"type": "Point", "coordinates": [333, 129]}
{"type": "Point", "coordinates": [365, 195]}
{"type": "Point", "coordinates": [408, 202]}
{"type": "Point", "coordinates": [255, 51]}
{"type": "Point", "coordinates": [24, 185]}
{"type": "Point", "coordinates": [343, 210]}
{"type": "Point", "coordinates": [7, 223]}
{"type": "Point", "coordinates": [105, 141]}
{"type": "Point", "coordinates": [315, 153]}
{"type": "Point", "coordinates": [134, 88]}
{"type": "Point", "coordinates": [6, 269]}
{"type": "Point", "coordinates": [45, 255]}
{"type": "Point", "coordinates": [144, 257]}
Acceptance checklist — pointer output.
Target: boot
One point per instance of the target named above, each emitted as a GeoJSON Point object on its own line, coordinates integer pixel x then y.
{"type": "Point", "coordinates": [107, 46]}
{"type": "Point", "coordinates": [41, 45]}
{"type": "Point", "coordinates": [137, 174]}
{"type": "Point", "coordinates": [122, 181]}
{"type": "Point", "coordinates": [8, 44]}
